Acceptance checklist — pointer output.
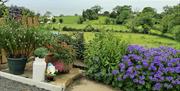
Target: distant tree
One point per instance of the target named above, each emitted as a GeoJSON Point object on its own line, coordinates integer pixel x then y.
{"type": "Point", "coordinates": [27, 12]}
{"type": "Point", "coordinates": [61, 15]}
{"type": "Point", "coordinates": [38, 14]}
{"type": "Point", "coordinates": [123, 13]}
{"type": "Point", "coordinates": [113, 14]}
{"type": "Point", "coordinates": [96, 8]}
{"type": "Point", "coordinates": [171, 18]}
{"type": "Point", "coordinates": [54, 20]}
{"type": "Point", "coordinates": [106, 13]}
{"type": "Point", "coordinates": [132, 24]}
{"type": "Point", "coordinates": [171, 10]}
{"type": "Point", "coordinates": [146, 21]}
{"type": "Point", "coordinates": [90, 14]}
{"type": "Point", "coordinates": [149, 9]}
{"type": "Point", "coordinates": [176, 32]}
{"type": "Point", "coordinates": [61, 20]}
{"type": "Point", "coordinates": [75, 14]}
{"type": "Point", "coordinates": [81, 20]}
{"type": "Point", "coordinates": [45, 20]}
{"type": "Point", "coordinates": [107, 21]}
{"type": "Point", "coordinates": [47, 14]}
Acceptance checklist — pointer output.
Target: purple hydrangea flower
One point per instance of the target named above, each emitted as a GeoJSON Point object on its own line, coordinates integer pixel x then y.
{"type": "Point", "coordinates": [138, 67]}
{"type": "Point", "coordinates": [122, 66]}
{"type": "Point", "coordinates": [141, 82]}
{"type": "Point", "coordinates": [119, 78]}
{"type": "Point", "coordinates": [157, 86]}
{"type": "Point", "coordinates": [115, 72]}
{"type": "Point", "coordinates": [135, 80]}
{"type": "Point", "coordinates": [169, 78]}
{"type": "Point", "coordinates": [142, 77]}
{"type": "Point", "coordinates": [145, 63]}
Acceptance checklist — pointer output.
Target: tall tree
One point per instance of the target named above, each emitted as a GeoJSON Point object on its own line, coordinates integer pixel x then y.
{"type": "Point", "coordinates": [146, 21]}
{"type": "Point", "coordinates": [96, 8]}
{"type": "Point", "coordinates": [123, 13]}
{"type": "Point", "coordinates": [27, 12]}
{"type": "Point", "coordinates": [90, 14]}
{"type": "Point", "coordinates": [149, 9]}
{"type": "Point", "coordinates": [171, 18]}
{"type": "Point", "coordinates": [47, 14]}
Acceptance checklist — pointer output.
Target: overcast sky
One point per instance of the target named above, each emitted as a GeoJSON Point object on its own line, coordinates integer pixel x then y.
{"type": "Point", "coordinates": [70, 7]}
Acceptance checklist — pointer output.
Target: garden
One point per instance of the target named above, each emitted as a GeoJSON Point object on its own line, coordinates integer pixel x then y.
{"type": "Point", "coordinates": [122, 53]}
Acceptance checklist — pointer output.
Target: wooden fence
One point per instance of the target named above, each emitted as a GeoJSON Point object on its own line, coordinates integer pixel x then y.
{"type": "Point", "coordinates": [26, 21]}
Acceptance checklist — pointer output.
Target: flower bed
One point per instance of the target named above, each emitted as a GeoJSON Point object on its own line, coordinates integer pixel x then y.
{"type": "Point", "coordinates": [148, 69]}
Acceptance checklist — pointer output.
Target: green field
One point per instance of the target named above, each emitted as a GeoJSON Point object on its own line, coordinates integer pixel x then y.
{"type": "Point", "coordinates": [74, 20]}
{"type": "Point", "coordinates": [68, 19]}
{"type": "Point", "coordinates": [71, 22]}
{"type": "Point", "coordinates": [132, 38]}
{"type": "Point", "coordinates": [139, 39]}
{"type": "Point", "coordinates": [100, 21]}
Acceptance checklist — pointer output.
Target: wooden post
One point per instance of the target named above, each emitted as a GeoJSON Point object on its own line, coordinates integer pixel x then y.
{"type": "Point", "coordinates": [35, 21]}
{"type": "Point", "coordinates": [24, 21]}
{"type": "Point", "coordinates": [3, 55]}
{"type": "Point", "coordinates": [30, 21]}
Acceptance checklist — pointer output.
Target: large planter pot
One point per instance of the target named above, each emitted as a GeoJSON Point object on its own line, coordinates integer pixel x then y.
{"type": "Point", "coordinates": [17, 65]}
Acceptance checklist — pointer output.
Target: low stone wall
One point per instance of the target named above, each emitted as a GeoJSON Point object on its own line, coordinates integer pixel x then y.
{"type": "Point", "coordinates": [10, 85]}
{"type": "Point", "coordinates": [10, 82]}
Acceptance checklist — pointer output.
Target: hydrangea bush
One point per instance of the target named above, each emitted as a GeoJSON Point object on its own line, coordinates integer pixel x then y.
{"type": "Point", "coordinates": [144, 69]}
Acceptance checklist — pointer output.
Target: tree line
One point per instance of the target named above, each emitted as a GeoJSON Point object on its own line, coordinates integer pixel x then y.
{"type": "Point", "coordinates": [138, 21]}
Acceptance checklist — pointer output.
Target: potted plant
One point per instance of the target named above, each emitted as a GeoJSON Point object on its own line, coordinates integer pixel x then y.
{"type": "Point", "coordinates": [19, 43]}
{"type": "Point", "coordinates": [64, 55]}
{"type": "Point", "coordinates": [39, 65]}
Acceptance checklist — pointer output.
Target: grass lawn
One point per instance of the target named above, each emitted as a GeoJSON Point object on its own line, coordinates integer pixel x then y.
{"type": "Point", "coordinates": [140, 39]}
{"type": "Point", "coordinates": [68, 19]}
{"type": "Point", "coordinates": [100, 21]}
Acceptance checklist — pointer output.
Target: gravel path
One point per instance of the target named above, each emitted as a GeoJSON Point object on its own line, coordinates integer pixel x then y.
{"type": "Point", "coordinates": [9, 85]}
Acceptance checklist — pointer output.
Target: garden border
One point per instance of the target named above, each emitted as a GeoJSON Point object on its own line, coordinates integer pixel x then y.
{"type": "Point", "coordinates": [32, 82]}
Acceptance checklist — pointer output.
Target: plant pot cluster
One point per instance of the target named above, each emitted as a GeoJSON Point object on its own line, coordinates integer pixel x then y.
{"type": "Point", "coordinates": [58, 57]}
{"type": "Point", "coordinates": [19, 43]}
{"type": "Point", "coordinates": [61, 56]}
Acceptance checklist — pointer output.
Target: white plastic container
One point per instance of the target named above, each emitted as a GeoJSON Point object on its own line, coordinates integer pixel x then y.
{"type": "Point", "coordinates": [39, 67]}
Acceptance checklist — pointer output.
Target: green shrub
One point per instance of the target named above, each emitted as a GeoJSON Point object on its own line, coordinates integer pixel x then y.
{"type": "Point", "coordinates": [41, 52]}
{"type": "Point", "coordinates": [176, 32]}
{"type": "Point", "coordinates": [90, 28]}
{"type": "Point", "coordinates": [79, 45]}
{"type": "Point", "coordinates": [102, 55]}
{"type": "Point", "coordinates": [76, 40]}
{"type": "Point", "coordinates": [65, 28]}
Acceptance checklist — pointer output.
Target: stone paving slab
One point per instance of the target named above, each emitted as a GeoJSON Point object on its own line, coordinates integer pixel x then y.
{"type": "Point", "coordinates": [67, 79]}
